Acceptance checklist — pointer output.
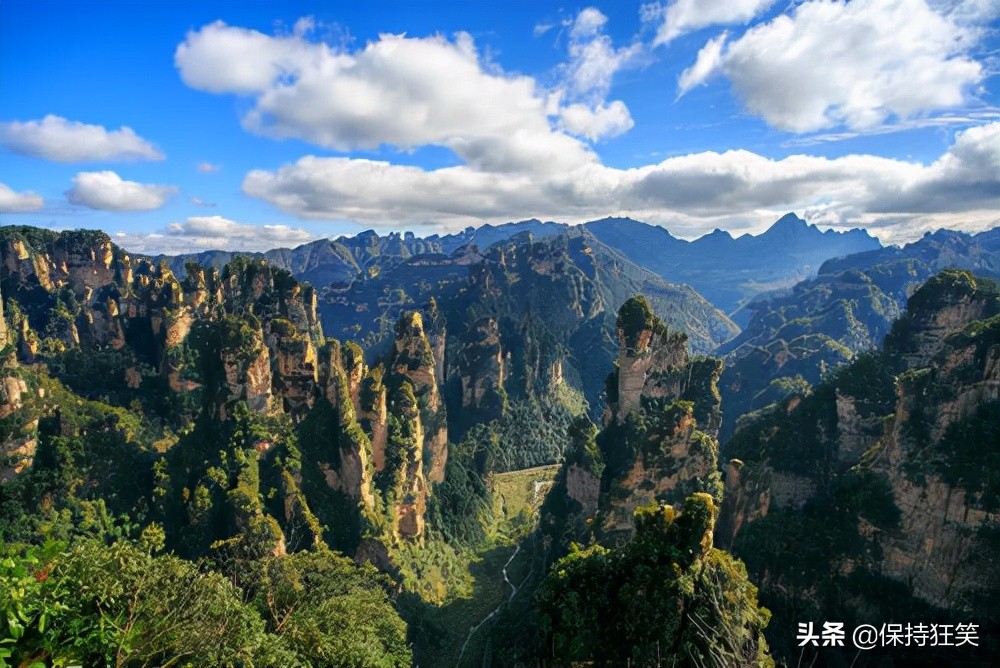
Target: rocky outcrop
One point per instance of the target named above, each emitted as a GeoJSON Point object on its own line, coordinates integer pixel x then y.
{"type": "Point", "coordinates": [652, 449]}
{"type": "Point", "coordinates": [413, 359]}
{"type": "Point", "coordinates": [936, 455]}
{"type": "Point", "coordinates": [746, 497]}
{"type": "Point", "coordinates": [915, 427]}
{"type": "Point", "coordinates": [246, 368]}
{"type": "Point", "coordinates": [408, 496]}
{"type": "Point", "coordinates": [374, 415]}
{"type": "Point", "coordinates": [437, 337]}
{"type": "Point", "coordinates": [79, 289]}
{"type": "Point", "coordinates": [651, 359]}
{"type": "Point", "coordinates": [295, 367]}
{"type": "Point", "coordinates": [584, 487]}
{"type": "Point", "coordinates": [672, 459]}
{"type": "Point", "coordinates": [351, 471]}
{"type": "Point", "coordinates": [482, 370]}
{"type": "Point", "coordinates": [19, 437]}
{"type": "Point", "coordinates": [82, 261]}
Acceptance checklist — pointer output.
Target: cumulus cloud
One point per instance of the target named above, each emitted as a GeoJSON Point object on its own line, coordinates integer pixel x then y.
{"type": "Point", "coordinates": [208, 167]}
{"type": "Point", "coordinates": [396, 90]}
{"type": "Point", "coordinates": [856, 64]}
{"type": "Point", "coordinates": [200, 233]}
{"type": "Point", "coordinates": [12, 201]}
{"type": "Point", "coordinates": [218, 232]}
{"type": "Point", "coordinates": [693, 193]}
{"type": "Point", "coordinates": [683, 16]}
{"type": "Point", "coordinates": [597, 122]}
{"type": "Point", "coordinates": [109, 192]}
{"type": "Point", "coordinates": [55, 138]}
{"type": "Point", "coordinates": [520, 147]}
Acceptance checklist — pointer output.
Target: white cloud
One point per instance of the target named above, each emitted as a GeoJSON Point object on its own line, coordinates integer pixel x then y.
{"type": "Point", "coordinates": [12, 201]}
{"type": "Point", "coordinates": [542, 28]}
{"type": "Point", "coordinates": [705, 65]}
{"type": "Point", "coordinates": [683, 16]}
{"type": "Point", "coordinates": [405, 92]}
{"type": "Point", "coordinates": [593, 60]}
{"type": "Point", "coordinates": [207, 167]}
{"type": "Point", "coordinates": [304, 25]}
{"type": "Point", "coordinates": [197, 201]}
{"type": "Point", "coordinates": [693, 193]}
{"type": "Point", "coordinates": [518, 146]}
{"type": "Point", "coordinates": [857, 64]}
{"type": "Point", "coordinates": [597, 122]}
{"type": "Point", "coordinates": [216, 232]}
{"type": "Point", "coordinates": [200, 233]}
{"type": "Point", "coordinates": [55, 138]}
{"type": "Point", "coordinates": [224, 59]}
{"type": "Point", "coordinates": [579, 101]}
{"type": "Point", "coordinates": [108, 192]}
{"type": "Point", "coordinates": [588, 23]}
{"type": "Point", "coordinates": [969, 12]}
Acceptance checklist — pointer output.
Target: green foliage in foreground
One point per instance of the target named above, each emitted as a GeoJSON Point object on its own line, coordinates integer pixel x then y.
{"type": "Point", "coordinates": [667, 598]}
{"type": "Point", "coordinates": [121, 605]}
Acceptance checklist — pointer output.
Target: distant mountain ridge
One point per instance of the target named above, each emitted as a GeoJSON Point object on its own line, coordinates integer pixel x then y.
{"type": "Point", "coordinates": [727, 271]}
{"type": "Point", "coordinates": [793, 337]}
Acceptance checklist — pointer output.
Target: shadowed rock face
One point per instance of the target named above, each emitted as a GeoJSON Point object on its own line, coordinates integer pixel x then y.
{"type": "Point", "coordinates": [483, 371]}
{"type": "Point", "coordinates": [920, 419]}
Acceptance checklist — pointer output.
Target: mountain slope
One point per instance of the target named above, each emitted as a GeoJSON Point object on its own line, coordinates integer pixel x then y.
{"type": "Point", "coordinates": [875, 496]}
{"type": "Point", "coordinates": [792, 338]}
{"type": "Point", "coordinates": [551, 301]}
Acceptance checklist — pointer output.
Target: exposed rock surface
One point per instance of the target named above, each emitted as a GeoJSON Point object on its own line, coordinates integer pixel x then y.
{"type": "Point", "coordinates": [413, 359]}
{"type": "Point", "coordinates": [483, 362]}
{"type": "Point", "coordinates": [243, 334]}
{"type": "Point", "coordinates": [652, 448]}
{"type": "Point", "coordinates": [915, 427]}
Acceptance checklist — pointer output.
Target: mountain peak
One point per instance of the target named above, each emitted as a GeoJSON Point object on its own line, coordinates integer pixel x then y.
{"type": "Point", "coordinates": [625, 225]}
{"type": "Point", "coordinates": [718, 235]}
{"type": "Point", "coordinates": [789, 224]}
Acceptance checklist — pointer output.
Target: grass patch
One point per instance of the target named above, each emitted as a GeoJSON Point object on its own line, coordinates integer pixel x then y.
{"type": "Point", "coordinates": [517, 498]}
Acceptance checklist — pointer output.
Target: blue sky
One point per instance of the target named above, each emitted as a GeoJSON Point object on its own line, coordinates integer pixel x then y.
{"type": "Point", "coordinates": [180, 126]}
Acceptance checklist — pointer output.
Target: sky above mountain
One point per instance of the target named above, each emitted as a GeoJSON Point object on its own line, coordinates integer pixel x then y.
{"type": "Point", "coordinates": [180, 126]}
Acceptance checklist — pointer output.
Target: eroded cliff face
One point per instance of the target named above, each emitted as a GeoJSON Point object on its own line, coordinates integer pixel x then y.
{"type": "Point", "coordinates": [347, 465]}
{"type": "Point", "coordinates": [483, 370]}
{"type": "Point", "coordinates": [295, 368]}
{"type": "Point", "coordinates": [650, 363]}
{"type": "Point", "coordinates": [394, 442]}
{"type": "Point", "coordinates": [18, 440]}
{"type": "Point", "coordinates": [78, 289]}
{"type": "Point", "coordinates": [666, 458]}
{"type": "Point", "coordinates": [936, 454]}
{"type": "Point", "coordinates": [913, 431]}
{"type": "Point", "coordinates": [413, 359]}
{"type": "Point", "coordinates": [653, 447]}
